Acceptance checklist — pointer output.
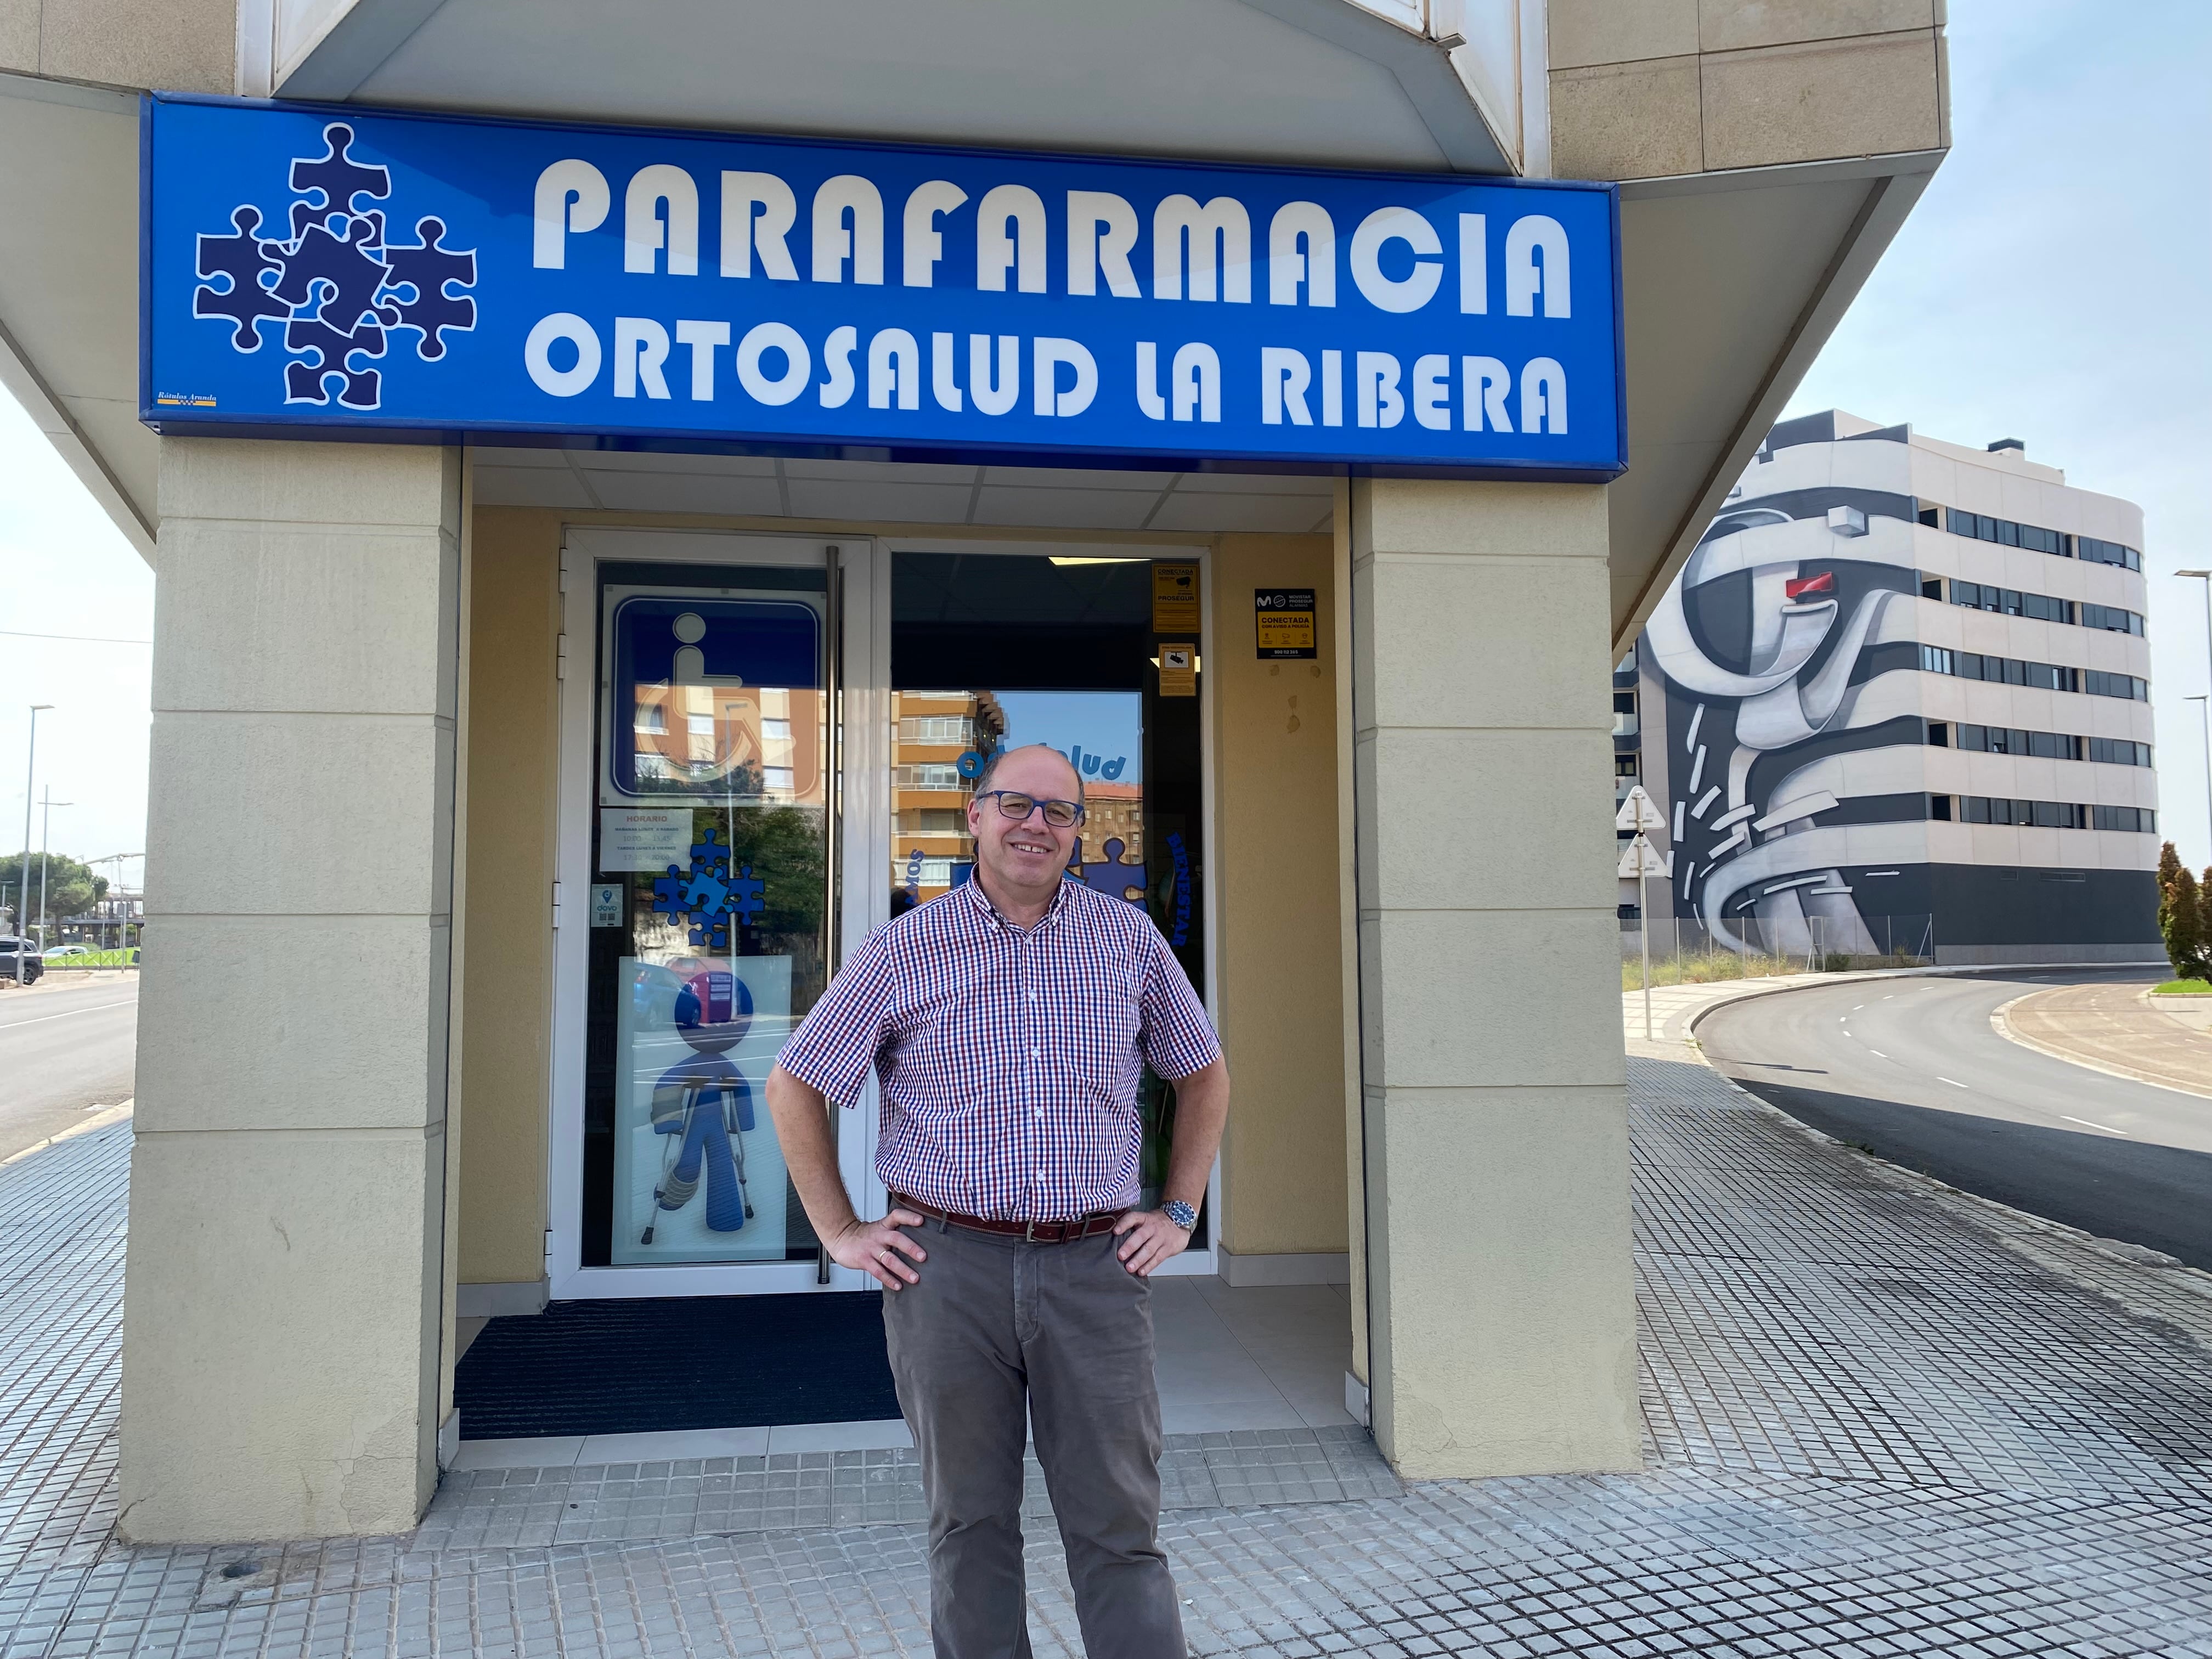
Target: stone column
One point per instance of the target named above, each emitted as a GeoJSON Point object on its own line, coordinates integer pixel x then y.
{"type": "Point", "coordinates": [1500, 1298]}
{"type": "Point", "coordinates": [285, 1270]}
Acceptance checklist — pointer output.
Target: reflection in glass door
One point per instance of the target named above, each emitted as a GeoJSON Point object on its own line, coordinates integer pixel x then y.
{"type": "Point", "coordinates": [1000, 650]}
{"type": "Point", "coordinates": [709, 904]}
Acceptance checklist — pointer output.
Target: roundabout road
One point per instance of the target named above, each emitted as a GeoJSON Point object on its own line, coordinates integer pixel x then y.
{"type": "Point", "coordinates": [1911, 1070]}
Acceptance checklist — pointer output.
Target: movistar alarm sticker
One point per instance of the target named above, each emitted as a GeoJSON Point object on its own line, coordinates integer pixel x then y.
{"type": "Point", "coordinates": [337, 284]}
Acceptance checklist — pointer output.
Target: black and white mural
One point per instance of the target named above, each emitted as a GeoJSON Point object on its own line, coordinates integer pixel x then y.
{"type": "Point", "coordinates": [1765, 649]}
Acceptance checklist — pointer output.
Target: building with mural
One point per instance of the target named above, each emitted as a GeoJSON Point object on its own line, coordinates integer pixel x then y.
{"type": "Point", "coordinates": [1898, 700]}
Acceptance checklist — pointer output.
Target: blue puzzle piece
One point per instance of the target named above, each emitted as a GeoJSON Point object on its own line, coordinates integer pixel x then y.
{"type": "Point", "coordinates": [1112, 878]}
{"type": "Point", "coordinates": [745, 899]}
{"type": "Point", "coordinates": [338, 178]}
{"type": "Point", "coordinates": [704, 893]}
{"type": "Point", "coordinates": [304, 381]}
{"type": "Point", "coordinates": [334, 279]}
{"type": "Point", "coordinates": [668, 894]}
{"type": "Point", "coordinates": [242, 259]}
{"type": "Point", "coordinates": [710, 853]}
{"type": "Point", "coordinates": [426, 271]}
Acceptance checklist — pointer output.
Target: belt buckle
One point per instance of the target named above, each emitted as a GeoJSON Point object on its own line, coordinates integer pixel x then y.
{"type": "Point", "coordinates": [1029, 1232]}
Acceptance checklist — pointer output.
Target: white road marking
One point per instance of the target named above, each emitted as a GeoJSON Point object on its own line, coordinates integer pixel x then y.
{"type": "Point", "coordinates": [1878, 1054]}
{"type": "Point", "coordinates": [1856, 1006]}
{"type": "Point", "coordinates": [1953, 1081]}
{"type": "Point", "coordinates": [2106, 1127]}
{"type": "Point", "coordinates": [66, 1012]}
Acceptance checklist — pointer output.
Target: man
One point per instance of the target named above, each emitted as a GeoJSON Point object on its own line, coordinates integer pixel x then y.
{"type": "Point", "coordinates": [1009, 1020]}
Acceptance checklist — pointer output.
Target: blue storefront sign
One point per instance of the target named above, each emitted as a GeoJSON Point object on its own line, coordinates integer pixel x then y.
{"type": "Point", "coordinates": [309, 269]}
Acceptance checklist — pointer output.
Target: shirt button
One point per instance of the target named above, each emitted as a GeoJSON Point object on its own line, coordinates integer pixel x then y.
{"type": "Point", "coordinates": [1034, 1052]}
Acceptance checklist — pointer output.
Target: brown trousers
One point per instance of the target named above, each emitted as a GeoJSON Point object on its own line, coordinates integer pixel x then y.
{"type": "Point", "coordinates": [999, 1335]}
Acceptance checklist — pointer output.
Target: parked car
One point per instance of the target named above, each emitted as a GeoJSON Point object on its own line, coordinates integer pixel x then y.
{"type": "Point", "coordinates": [22, 961]}
{"type": "Point", "coordinates": [55, 953]}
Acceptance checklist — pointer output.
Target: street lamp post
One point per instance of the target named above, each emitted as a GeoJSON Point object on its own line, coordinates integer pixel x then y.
{"type": "Point", "coordinates": [30, 772]}
{"type": "Point", "coordinates": [2205, 576]}
{"type": "Point", "coordinates": [2204, 718]}
{"type": "Point", "coordinates": [45, 844]}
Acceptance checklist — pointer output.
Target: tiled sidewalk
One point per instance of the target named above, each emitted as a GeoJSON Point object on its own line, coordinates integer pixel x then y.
{"type": "Point", "coordinates": [1883, 1419]}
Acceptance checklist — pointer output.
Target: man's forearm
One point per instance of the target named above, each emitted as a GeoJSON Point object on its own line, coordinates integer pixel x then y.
{"type": "Point", "coordinates": [1201, 1110]}
{"type": "Point", "coordinates": [809, 1152]}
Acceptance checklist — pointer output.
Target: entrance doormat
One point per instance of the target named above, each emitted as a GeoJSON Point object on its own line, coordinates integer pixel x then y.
{"type": "Point", "coordinates": [667, 1362]}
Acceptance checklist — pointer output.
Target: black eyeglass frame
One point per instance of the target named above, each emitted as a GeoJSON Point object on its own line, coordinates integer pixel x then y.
{"type": "Point", "coordinates": [1035, 803]}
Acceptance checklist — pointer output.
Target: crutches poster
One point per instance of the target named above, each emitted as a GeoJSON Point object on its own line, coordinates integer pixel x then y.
{"type": "Point", "coordinates": [699, 1175]}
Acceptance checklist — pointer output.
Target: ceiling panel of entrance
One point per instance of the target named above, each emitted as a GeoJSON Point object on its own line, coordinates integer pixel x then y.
{"type": "Point", "coordinates": [1047, 498]}
{"type": "Point", "coordinates": [1318, 81]}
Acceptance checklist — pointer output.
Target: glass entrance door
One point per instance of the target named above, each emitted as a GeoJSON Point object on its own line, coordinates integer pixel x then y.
{"type": "Point", "coordinates": [993, 651]}
{"type": "Point", "coordinates": [698, 919]}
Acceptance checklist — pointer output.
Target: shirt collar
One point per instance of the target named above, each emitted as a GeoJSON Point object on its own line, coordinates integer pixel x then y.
{"type": "Point", "coordinates": [982, 901]}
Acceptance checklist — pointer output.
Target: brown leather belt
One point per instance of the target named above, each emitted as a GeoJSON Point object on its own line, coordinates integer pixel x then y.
{"type": "Point", "coordinates": [1033, 1232]}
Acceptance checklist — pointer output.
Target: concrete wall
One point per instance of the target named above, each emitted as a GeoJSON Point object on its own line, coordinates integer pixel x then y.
{"type": "Point", "coordinates": [1648, 88]}
{"type": "Point", "coordinates": [507, 979]}
{"type": "Point", "coordinates": [182, 46]}
{"type": "Point", "coordinates": [1278, 952]}
{"type": "Point", "coordinates": [285, 1270]}
{"type": "Point", "coordinates": [1498, 1287]}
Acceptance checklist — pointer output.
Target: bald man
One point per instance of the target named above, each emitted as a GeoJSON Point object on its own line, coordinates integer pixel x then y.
{"type": "Point", "coordinates": [1010, 1022]}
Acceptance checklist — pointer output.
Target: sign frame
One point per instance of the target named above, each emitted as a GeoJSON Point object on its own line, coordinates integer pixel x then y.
{"type": "Point", "coordinates": [389, 428]}
{"type": "Point", "coordinates": [1284, 606]}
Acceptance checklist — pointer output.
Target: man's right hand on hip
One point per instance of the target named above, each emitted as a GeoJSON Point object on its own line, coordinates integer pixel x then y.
{"type": "Point", "coordinates": [875, 1247]}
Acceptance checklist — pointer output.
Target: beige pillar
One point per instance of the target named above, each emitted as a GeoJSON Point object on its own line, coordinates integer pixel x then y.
{"type": "Point", "coordinates": [1499, 1299]}
{"type": "Point", "coordinates": [285, 1270]}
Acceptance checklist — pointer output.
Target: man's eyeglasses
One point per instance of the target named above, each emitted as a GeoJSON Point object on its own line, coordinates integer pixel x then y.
{"type": "Point", "coordinates": [1059, 814]}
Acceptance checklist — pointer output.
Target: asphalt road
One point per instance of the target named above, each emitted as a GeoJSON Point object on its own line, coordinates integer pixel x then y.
{"type": "Point", "coordinates": [1911, 1070]}
{"type": "Point", "coordinates": [64, 1050]}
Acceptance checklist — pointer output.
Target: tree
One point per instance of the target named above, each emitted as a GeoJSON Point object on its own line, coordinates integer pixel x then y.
{"type": "Point", "coordinates": [2183, 916]}
{"type": "Point", "coordinates": [71, 889]}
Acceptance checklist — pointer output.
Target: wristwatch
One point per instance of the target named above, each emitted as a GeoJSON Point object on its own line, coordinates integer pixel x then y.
{"type": "Point", "coordinates": [1183, 1215]}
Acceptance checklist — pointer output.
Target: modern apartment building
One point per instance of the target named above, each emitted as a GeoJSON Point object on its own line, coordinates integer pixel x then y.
{"type": "Point", "coordinates": [1899, 695]}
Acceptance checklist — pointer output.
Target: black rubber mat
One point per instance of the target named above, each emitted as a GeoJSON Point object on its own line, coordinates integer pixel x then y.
{"type": "Point", "coordinates": [703, 1362]}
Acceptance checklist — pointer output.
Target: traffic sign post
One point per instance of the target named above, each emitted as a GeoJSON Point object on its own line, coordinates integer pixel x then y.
{"type": "Point", "coordinates": [1641, 859]}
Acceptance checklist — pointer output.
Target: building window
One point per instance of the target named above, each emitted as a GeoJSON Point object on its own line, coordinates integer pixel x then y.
{"type": "Point", "coordinates": [2005, 533]}
{"type": "Point", "coordinates": [2007, 671]}
{"type": "Point", "coordinates": [2111, 617]}
{"type": "Point", "coordinates": [2098, 683]}
{"type": "Point", "coordinates": [2037, 814]}
{"type": "Point", "coordinates": [1625, 766]}
{"type": "Point", "coordinates": [1939, 808]}
{"type": "Point", "coordinates": [2118, 752]}
{"type": "Point", "coordinates": [2099, 552]}
{"type": "Point", "coordinates": [2141, 820]}
{"type": "Point", "coordinates": [1938, 734]}
{"type": "Point", "coordinates": [927, 775]}
{"type": "Point", "coordinates": [937, 728]}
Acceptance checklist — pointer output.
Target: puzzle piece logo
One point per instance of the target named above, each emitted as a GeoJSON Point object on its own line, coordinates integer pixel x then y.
{"type": "Point", "coordinates": [339, 286]}
{"type": "Point", "coordinates": [711, 895]}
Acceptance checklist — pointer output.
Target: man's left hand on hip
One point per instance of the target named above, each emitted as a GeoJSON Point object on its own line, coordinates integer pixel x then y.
{"type": "Point", "coordinates": [1148, 1238]}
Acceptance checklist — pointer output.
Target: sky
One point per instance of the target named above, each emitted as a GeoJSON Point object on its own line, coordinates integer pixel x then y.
{"type": "Point", "coordinates": [2052, 286]}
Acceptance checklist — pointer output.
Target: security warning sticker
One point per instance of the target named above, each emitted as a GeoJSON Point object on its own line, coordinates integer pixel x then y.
{"type": "Point", "coordinates": [1174, 598]}
{"type": "Point", "coordinates": [1284, 618]}
{"type": "Point", "coordinates": [1178, 671]}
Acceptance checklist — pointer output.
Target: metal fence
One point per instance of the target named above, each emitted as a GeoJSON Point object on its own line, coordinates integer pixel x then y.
{"type": "Point", "coordinates": [1686, 950]}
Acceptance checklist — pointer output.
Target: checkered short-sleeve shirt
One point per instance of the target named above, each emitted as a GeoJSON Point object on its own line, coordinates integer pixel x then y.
{"type": "Point", "coordinates": [1010, 1060]}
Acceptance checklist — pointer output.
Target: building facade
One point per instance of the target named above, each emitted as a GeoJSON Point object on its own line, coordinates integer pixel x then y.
{"type": "Point", "coordinates": [1897, 703]}
{"type": "Point", "coordinates": [577, 729]}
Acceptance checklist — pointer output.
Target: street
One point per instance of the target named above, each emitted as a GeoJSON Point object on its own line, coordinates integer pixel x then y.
{"type": "Point", "coordinates": [1911, 1070]}
{"type": "Point", "coordinates": [63, 1052]}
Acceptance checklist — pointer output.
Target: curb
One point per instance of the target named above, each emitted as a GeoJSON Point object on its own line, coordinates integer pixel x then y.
{"type": "Point", "coordinates": [1953, 971]}
{"type": "Point", "coordinates": [2004, 1028]}
{"type": "Point", "coordinates": [98, 1120]}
